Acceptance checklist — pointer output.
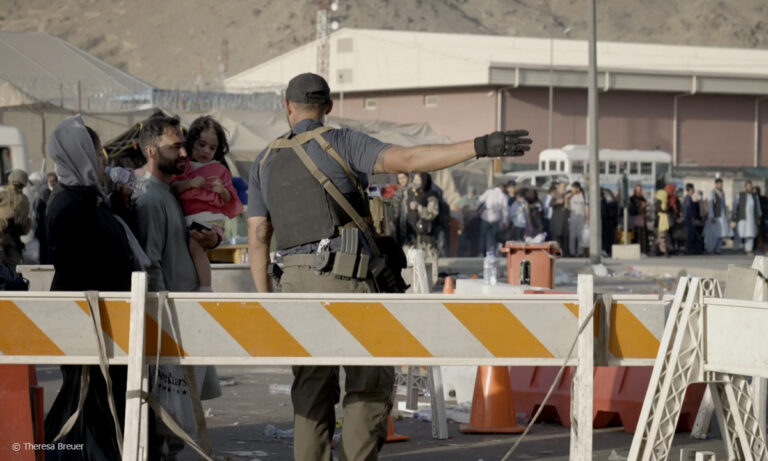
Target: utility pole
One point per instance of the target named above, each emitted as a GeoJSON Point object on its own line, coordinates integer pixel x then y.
{"type": "Point", "coordinates": [594, 170]}
{"type": "Point", "coordinates": [323, 49]}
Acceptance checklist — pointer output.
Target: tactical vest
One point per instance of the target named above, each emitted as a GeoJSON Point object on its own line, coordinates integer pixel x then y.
{"type": "Point", "coordinates": [742, 211]}
{"type": "Point", "coordinates": [300, 209]}
{"type": "Point", "coordinates": [717, 204]}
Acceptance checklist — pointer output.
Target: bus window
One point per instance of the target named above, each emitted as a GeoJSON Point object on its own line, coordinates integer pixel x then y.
{"type": "Point", "coordinates": [624, 167]}
{"type": "Point", "coordinates": [602, 167]}
{"type": "Point", "coordinates": [562, 166]}
{"type": "Point", "coordinates": [5, 165]}
{"type": "Point", "coordinates": [552, 165]}
{"type": "Point", "coordinates": [661, 170]}
{"type": "Point", "coordinates": [646, 168]}
{"type": "Point", "coordinates": [612, 166]}
{"type": "Point", "coordinates": [577, 166]}
{"type": "Point", "coordinates": [633, 168]}
{"type": "Point", "coordinates": [543, 165]}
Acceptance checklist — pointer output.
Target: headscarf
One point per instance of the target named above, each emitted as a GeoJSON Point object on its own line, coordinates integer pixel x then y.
{"type": "Point", "coordinates": [77, 164]}
{"type": "Point", "coordinates": [671, 188]}
{"type": "Point", "coordinates": [76, 159]}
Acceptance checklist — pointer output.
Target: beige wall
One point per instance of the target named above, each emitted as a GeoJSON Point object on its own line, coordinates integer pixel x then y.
{"type": "Point", "coordinates": [459, 114]}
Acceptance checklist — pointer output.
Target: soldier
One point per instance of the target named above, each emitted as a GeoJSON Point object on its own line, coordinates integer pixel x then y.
{"type": "Point", "coordinates": [308, 188]}
{"type": "Point", "coordinates": [14, 218]}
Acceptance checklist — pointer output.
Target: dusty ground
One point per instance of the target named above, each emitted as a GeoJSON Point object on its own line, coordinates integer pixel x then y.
{"type": "Point", "coordinates": [240, 415]}
{"type": "Point", "coordinates": [179, 43]}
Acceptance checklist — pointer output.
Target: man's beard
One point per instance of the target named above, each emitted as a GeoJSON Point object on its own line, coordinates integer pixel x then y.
{"type": "Point", "coordinates": [169, 166]}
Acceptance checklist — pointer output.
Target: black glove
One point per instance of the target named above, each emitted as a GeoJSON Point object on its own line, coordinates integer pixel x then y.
{"type": "Point", "coordinates": [502, 144]}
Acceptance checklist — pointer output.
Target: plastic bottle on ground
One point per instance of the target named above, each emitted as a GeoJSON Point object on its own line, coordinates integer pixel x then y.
{"type": "Point", "coordinates": [284, 389]}
{"type": "Point", "coordinates": [489, 269]}
{"type": "Point", "coordinates": [272, 431]}
{"type": "Point", "coordinates": [423, 415]}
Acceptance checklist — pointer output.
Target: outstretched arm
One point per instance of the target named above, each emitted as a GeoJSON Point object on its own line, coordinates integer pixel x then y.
{"type": "Point", "coordinates": [399, 159]}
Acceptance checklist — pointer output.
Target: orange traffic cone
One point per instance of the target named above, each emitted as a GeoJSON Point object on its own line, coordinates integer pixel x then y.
{"type": "Point", "coordinates": [493, 410]}
{"type": "Point", "coordinates": [449, 286]}
{"type": "Point", "coordinates": [21, 412]}
{"type": "Point", "coordinates": [391, 436]}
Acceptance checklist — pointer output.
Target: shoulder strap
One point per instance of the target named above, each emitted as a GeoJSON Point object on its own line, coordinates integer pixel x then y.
{"type": "Point", "coordinates": [336, 194]}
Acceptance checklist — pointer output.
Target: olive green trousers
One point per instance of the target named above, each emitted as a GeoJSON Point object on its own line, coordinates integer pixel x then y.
{"type": "Point", "coordinates": [315, 391]}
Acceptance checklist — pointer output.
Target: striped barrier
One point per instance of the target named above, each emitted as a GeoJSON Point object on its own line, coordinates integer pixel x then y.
{"type": "Point", "coordinates": [293, 329]}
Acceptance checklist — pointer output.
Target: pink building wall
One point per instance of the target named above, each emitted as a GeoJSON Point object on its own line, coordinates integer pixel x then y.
{"type": "Point", "coordinates": [716, 130]}
{"type": "Point", "coordinates": [713, 130]}
{"type": "Point", "coordinates": [459, 114]}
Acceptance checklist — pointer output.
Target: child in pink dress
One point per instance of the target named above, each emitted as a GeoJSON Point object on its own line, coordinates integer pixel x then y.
{"type": "Point", "coordinates": [205, 188]}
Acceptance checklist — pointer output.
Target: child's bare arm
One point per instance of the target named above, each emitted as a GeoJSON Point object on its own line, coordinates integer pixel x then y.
{"type": "Point", "coordinates": [218, 187]}
{"type": "Point", "coordinates": [183, 186]}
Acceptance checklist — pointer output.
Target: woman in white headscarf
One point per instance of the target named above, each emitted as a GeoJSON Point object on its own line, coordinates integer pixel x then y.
{"type": "Point", "coordinates": [90, 250]}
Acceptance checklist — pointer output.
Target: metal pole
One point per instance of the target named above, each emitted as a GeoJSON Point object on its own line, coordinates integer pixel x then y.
{"type": "Point", "coordinates": [551, 65]}
{"type": "Point", "coordinates": [594, 178]}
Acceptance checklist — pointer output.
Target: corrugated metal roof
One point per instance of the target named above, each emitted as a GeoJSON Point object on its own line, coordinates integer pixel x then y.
{"type": "Point", "coordinates": [49, 69]}
{"type": "Point", "coordinates": [366, 60]}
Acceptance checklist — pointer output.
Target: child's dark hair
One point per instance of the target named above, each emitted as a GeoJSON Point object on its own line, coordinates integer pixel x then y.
{"type": "Point", "coordinates": [204, 123]}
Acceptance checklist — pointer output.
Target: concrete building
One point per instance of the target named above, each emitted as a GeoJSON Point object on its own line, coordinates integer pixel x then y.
{"type": "Point", "coordinates": [707, 106]}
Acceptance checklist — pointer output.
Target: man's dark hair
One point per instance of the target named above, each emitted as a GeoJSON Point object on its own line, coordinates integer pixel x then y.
{"type": "Point", "coordinates": [316, 109]}
{"type": "Point", "coordinates": [154, 128]}
{"type": "Point", "coordinates": [747, 182]}
{"type": "Point", "coordinates": [688, 187]}
{"type": "Point", "coordinates": [201, 124]}
{"type": "Point", "coordinates": [718, 180]}
{"type": "Point", "coordinates": [512, 183]}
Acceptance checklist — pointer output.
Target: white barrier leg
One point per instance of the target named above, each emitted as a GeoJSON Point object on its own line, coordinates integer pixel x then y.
{"type": "Point", "coordinates": [759, 386]}
{"type": "Point", "coordinates": [439, 419]}
{"type": "Point", "coordinates": [135, 433]}
{"type": "Point", "coordinates": [704, 416]}
{"type": "Point", "coordinates": [582, 388]}
{"type": "Point", "coordinates": [434, 375]}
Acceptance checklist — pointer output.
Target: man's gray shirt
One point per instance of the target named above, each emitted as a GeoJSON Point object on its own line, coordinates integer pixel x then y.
{"type": "Point", "coordinates": [357, 149]}
{"type": "Point", "coordinates": [162, 231]}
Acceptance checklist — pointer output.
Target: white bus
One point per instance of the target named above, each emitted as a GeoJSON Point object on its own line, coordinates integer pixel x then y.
{"type": "Point", "coordinates": [13, 152]}
{"type": "Point", "coordinates": [641, 166]}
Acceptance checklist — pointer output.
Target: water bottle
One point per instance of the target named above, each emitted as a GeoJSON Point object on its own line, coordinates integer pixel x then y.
{"type": "Point", "coordinates": [272, 431]}
{"type": "Point", "coordinates": [122, 176]}
{"type": "Point", "coordinates": [423, 415]}
{"type": "Point", "coordinates": [280, 389]}
{"type": "Point", "coordinates": [489, 269]}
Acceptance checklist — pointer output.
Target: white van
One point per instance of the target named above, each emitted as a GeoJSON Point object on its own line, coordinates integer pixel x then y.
{"type": "Point", "coordinates": [13, 152]}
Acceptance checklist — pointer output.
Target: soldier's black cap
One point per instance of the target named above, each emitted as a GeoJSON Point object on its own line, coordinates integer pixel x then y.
{"type": "Point", "coordinates": [308, 88]}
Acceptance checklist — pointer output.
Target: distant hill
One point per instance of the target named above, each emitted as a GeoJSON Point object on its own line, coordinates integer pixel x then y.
{"type": "Point", "coordinates": [179, 43]}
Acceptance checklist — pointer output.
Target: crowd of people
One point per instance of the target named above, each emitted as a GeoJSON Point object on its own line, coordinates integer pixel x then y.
{"type": "Point", "coordinates": [664, 222]}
